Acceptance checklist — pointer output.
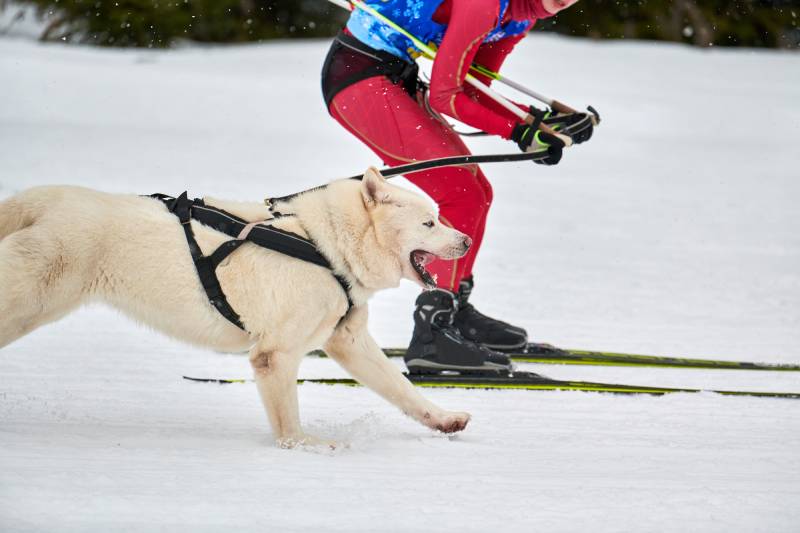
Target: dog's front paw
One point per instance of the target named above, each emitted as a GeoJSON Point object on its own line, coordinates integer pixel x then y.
{"type": "Point", "coordinates": [308, 442]}
{"type": "Point", "coordinates": [449, 422]}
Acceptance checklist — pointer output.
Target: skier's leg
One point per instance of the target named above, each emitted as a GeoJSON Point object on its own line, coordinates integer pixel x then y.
{"type": "Point", "coordinates": [399, 130]}
{"type": "Point", "coordinates": [392, 124]}
{"type": "Point", "coordinates": [488, 195]}
{"type": "Point", "coordinates": [474, 325]}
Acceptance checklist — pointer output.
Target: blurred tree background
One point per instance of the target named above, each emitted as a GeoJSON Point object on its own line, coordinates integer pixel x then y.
{"type": "Point", "coordinates": [773, 24]}
{"type": "Point", "coordinates": [161, 23]}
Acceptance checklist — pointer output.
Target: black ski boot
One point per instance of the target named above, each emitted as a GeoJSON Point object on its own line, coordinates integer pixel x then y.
{"type": "Point", "coordinates": [482, 329]}
{"type": "Point", "coordinates": [436, 344]}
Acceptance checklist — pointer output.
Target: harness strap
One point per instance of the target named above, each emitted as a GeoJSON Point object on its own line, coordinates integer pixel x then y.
{"type": "Point", "coordinates": [223, 251]}
{"type": "Point", "coordinates": [340, 71]}
{"type": "Point", "coordinates": [281, 241]}
{"type": "Point", "coordinates": [247, 229]}
{"type": "Point", "coordinates": [206, 266]}
{"type": "Point", "coordinates": [269, 237]}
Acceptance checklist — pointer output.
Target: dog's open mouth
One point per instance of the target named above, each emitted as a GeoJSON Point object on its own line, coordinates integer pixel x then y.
{"type": "Point", "coordinates": [420, 258]}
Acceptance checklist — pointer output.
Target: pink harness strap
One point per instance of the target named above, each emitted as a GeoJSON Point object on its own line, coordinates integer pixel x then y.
{"type": "Point", "coordinates": [247, 229]}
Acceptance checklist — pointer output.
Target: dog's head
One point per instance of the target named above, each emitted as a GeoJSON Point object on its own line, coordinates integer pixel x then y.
{"type": "Point", "coordinates": [406, 223]}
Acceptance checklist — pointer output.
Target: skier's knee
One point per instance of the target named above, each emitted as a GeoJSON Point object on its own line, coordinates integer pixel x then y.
{"type": "Point", "coordinates": [473, 192]}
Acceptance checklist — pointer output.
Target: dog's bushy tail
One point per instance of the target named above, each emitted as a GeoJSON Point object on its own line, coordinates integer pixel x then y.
{"type": "Point", "coordinates": [16, 213]}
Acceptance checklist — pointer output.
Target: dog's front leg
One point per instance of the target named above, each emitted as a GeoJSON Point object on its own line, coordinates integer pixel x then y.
{"type": "Point", "coordinates": [276, 379]}
{"type": "Point", "coordinates": [353, 348]}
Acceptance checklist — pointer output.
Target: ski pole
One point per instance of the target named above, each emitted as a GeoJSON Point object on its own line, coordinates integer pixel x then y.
{"type": "Point", "coordinates": [344, 4]}
{"type": "Point", "coordinates": [428, 51]}
{"type": "Point", "coordinates": [553, 103]}
{"type": "Point", "coordinates": [480, 69]}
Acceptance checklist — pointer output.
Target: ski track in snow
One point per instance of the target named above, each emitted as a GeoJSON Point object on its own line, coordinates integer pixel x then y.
{"type": "Point", "coordinates": [674, 231]}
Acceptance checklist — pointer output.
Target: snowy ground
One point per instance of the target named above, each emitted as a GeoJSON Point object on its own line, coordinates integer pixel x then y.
{"type": "Point", "coordinates": [675, 231]}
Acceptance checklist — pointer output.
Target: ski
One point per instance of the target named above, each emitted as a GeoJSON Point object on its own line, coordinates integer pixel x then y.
{"type": "Point", "coordinates": [545, 354]}
{"type": "Point", "coordinates": [521, 381]}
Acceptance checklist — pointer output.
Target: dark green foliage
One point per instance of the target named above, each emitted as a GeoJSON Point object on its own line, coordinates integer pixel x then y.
{"type": "Point", "coordinates": [159, 23]}
{"type": "Point", "coordinates": [703, 23]}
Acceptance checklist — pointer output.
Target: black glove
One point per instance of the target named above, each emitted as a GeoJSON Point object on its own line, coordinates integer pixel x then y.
{"type": "Point", "coordinates": [579, 126]}
{"type": "Point", "coordinates": [530, 139]}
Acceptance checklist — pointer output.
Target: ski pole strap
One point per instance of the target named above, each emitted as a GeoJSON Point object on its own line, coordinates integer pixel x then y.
{"type": "Point", "coordinates": [538, 116]}
{"type": "Point", "coordinates": [596, 115]}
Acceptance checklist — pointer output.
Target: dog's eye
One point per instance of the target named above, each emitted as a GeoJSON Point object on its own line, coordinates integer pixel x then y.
{"type": "Point", "coordinates": [428, 224]}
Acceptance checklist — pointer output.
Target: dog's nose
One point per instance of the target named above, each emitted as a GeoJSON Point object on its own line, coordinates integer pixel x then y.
{"type": "Point", "coordinates": [467, 242]}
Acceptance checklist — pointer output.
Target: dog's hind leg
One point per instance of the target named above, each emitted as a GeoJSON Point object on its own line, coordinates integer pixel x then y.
{"type": "Point", "coordinates": [36, 284]}
{"type": "Point", "coordinates": [276, 380]}
{"type": "Point", "coordinates": [356, 351]}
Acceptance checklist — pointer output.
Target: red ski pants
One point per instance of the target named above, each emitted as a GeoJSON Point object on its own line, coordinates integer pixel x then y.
{"type": "Point", "coordinates": [394, 126]}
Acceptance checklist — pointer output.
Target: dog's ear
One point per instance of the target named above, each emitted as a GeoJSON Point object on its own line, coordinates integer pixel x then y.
{"type": "Point", "coordinates": [373, 187]}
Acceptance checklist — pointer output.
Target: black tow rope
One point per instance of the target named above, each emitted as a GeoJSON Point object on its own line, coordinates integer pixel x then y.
{"type": "Point", "coordinates": [459, 160]}
{"type": "Point", "coordinates": [451, 161]}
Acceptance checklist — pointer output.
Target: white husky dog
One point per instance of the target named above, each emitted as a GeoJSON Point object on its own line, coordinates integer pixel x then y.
{"type": "Point", "coordinates": [61, 246]}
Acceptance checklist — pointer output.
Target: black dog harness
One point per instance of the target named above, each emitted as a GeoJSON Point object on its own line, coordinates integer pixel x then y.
{"type": "Point", "coordinates": [263, 235]}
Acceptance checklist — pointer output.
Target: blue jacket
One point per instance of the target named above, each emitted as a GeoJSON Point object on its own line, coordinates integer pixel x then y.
{"type": "Point", "coordinates": [416, 17]}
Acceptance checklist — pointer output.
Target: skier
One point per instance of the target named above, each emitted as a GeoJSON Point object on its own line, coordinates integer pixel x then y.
{"type": "Point", "coordinates": [370, 86]}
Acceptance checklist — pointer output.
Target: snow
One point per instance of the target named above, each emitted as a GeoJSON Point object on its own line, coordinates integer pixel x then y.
{"type": "Point", "coordinates": [674, 231]}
